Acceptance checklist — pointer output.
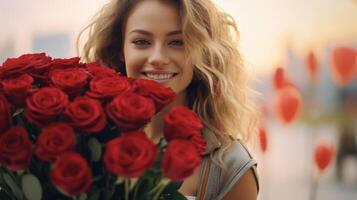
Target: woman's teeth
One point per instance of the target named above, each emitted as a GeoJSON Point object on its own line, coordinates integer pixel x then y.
{"type": "Point", "coordinates": [160, 76]}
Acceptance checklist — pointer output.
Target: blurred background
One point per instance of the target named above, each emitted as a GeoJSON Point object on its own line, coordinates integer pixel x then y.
{"type": "Point", "coordinates": [302, 57]}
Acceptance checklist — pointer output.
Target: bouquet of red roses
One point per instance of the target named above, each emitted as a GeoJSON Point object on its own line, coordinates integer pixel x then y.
{"type": "Point", "coordinates": [70, 130]}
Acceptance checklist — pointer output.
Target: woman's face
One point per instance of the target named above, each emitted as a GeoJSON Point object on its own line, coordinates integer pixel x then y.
{"type": "Point", "coordinates": [154, 48]}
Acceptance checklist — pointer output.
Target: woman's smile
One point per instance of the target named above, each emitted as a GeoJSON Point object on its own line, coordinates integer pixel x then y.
{"type": "Point", "coordinates": [159, 76]}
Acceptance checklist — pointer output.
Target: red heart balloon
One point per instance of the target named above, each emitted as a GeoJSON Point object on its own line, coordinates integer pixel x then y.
{"type": "Point", "coordinates": [288, 103]}
{"type": "Point", "coordinates": [279, 78]}
{"type": "Point", "coordinates": [263, 140]}
{"type": "Point", "coordinates": [312, 66]}
{"type": "Point", "coordinates": [344, 65]}
{"type": "Point", "coordinates": [323, 155]}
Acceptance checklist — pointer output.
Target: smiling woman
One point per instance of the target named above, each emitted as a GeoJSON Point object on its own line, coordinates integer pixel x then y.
{"type": "Point", "coordinates": [191, 47]}
{"type": "Point", "coordinates": [154, 47]}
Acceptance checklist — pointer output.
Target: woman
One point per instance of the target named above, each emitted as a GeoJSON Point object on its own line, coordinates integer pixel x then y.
{"type": "Point", "coordinates": [191, 47]}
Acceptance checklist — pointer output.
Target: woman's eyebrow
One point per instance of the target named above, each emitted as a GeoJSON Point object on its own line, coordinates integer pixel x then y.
{"type": "Point", "coordinates": [176, 32]}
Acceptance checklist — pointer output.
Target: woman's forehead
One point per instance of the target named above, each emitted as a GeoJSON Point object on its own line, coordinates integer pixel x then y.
{"type": "Point", "coordinates": [153, 14]}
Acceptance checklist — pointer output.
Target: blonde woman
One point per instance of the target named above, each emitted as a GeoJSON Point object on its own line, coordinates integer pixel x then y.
{"type": "Point", "coordinates": [191, 47]}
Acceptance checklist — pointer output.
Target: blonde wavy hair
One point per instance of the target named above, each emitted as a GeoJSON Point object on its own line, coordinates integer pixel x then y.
{"type": "Point", "coordinates": [219, 92]}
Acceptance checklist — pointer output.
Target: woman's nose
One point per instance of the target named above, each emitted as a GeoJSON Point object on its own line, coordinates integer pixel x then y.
{"type": "Point", "coordinates": [158, 57]}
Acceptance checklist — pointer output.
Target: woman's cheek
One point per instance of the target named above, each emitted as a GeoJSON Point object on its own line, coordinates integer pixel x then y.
{"type": "Point", "coordinates": [133, 66]}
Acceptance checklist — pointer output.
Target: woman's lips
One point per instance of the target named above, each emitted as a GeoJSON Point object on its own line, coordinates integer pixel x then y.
{"type": "Point", "coordinates": [159, 76]}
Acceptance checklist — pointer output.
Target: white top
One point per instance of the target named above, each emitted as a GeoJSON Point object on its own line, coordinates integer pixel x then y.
{"type": "Point", "coordinates": [190, 197]}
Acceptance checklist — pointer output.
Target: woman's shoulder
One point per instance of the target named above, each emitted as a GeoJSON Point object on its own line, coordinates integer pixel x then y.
{"type": "Point", "coordinates": [237, 161]}
{"type": "Point", "coordinates": [227, 151]}
{"type": "Point", "coordinates": [236, 154]}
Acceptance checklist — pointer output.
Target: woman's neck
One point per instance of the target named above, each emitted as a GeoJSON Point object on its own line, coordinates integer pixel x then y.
{"type": "Point", "coordinates": [155, 129]}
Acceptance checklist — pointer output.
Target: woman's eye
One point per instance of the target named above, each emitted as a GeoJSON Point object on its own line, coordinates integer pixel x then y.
{"type": "Point", "coordinates": [176, 42]}
{"type": "Point", "coordinates": [141, 42]}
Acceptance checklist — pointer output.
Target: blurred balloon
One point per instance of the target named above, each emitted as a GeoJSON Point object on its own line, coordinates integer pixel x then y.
{"type": "Point", "coordinates": [263, 141]}
{"type": "Point", "coordinates": [312, 66]}
{"type": "Point", "coordinates": [324, 154]}
{"type": "Point", "coordinates": [280, 79]}
{"type": "Point", "coordinates": [287, 104]}
{"type": "Point", "coordinates": [344, 65]}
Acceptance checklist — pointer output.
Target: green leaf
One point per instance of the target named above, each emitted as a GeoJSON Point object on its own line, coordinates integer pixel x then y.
{"type": "Point", "coordinates": [94, 196]}
{"type": "Point", "coordinates": [13, 186]}
{"type": "Point", "coordinates": [95, 149]}
{"type": "Point", "coordinates": [5, 194]}
{"type": "Point", "coordinates": [94, 193]}
{"type": "Point", "coordinates": [172, 187]}
{"type": "Point", "coordinates": [31, 187]}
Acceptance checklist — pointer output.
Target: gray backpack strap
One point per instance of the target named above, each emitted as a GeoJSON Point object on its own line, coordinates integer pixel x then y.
{"type": "Point", "coordinates": [204, 176]}
{"type": "Point", "coordinates": [209, 187]}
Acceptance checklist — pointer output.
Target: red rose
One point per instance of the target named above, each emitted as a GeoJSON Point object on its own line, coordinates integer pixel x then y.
{"type": "Point", "coordinates": [45, 105]}
{"type": "Point", "coordinates": [25, 63]}
{"type": "Point", "coordinates": [130, 111]}
{"type": "Point", "coordinates": [54, 140]}
{"type": "Point", "coordinates": [199, 142]}
{"type": "Point", "coordinates": [40, 70]}
{"type": "Point", "coordinates": [15, 149]}
{"type": "Point", "coordinates": [180, 160]}
{"type": "Point", "coordinates": [70, 80]}
{"type": "Point", "coordinates": [107, 88]}
{"type": "Point", "coordinates": [62, 63]}
{"type": "Point", "coordinates": [1, 87]}
{"type": "Point", "coordinates": [99, 71]}
{"type": "Point", "coordinates": [5, 115]}
{"type": "Point", "coordinates": [18, 88]}
{"type": "Point", "coordinates": [161, 95]}
{"type": "Point", "coordinates": [86, 114]}
{"type": "Point", "coordinates": [71, 174]}
{"type": "Point", "coordinates": [130, 155]}
{"type": "Point", "coordinates": [181, 123]}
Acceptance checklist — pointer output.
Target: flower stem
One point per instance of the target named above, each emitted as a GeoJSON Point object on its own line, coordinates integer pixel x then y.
{"type": "Point", "coordinates": [106, 190]}
{"type": "Point", "coordinates": [160, 188]}
{"type": "Point", "coordinates": [126, 185]}
{"type": "Point", "coordinates": [136, 191]}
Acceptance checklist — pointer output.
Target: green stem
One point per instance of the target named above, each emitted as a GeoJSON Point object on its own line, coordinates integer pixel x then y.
{"type": "Point", "coordinates": [136, 189]}
{"type": "Point", "coordinates": [161, 188]}
{"type": "Point", "coordinates": [84, 145]}
{"type": "Point", "coordinates": [106, 190]}
{"type": "Point", "coordinates": [126, 185]}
